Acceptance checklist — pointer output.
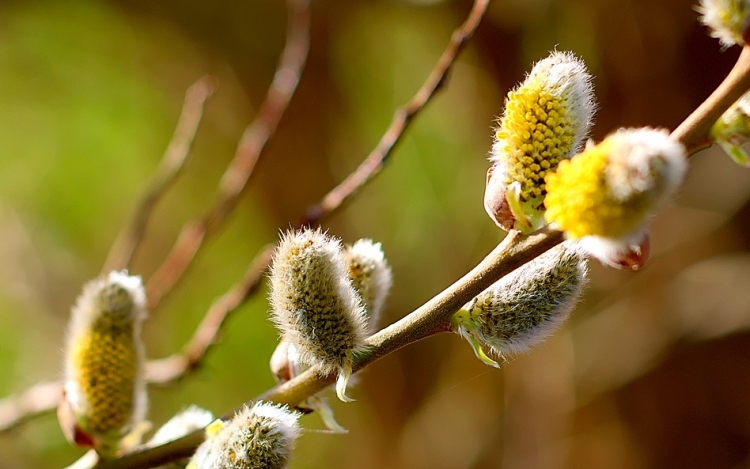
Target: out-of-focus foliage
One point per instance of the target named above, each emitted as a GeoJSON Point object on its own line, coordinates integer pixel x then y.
{"type": "Point", "coordinates": [649, 372]}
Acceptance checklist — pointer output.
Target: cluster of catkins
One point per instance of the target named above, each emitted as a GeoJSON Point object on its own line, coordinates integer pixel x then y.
{"type": "Point", "coordinates": [326, 296]}
{"type": "Point", "coordinates": [103, 406]}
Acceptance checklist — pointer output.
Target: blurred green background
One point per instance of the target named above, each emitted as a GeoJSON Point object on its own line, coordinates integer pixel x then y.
{"type": "Point", "coordinates": [651, 370]}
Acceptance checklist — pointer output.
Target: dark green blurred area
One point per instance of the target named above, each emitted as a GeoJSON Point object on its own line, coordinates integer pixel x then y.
{"type": "Point", "coordinates": [651, 371]}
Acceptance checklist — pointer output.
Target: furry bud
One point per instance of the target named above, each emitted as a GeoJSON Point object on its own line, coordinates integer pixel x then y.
{"type": "Point", "coordinates": [261, 437]}
{"type": "Point", "coordinates": [727, 20]}
{"type": "Point", "coordinates": [732, 130]}
{"type": "Point", "coordinates": [546, 120]}
{"type": "Point", "coordinates": [314, 304]}
{"type": "Point", "coordinates": [105, 393]}
{"type": "Point", "coordinates": [371, 276]}
{"type": "Point", "coordinates": [524, 307]}
{"type": "Point", "coordinates": [606, 195]}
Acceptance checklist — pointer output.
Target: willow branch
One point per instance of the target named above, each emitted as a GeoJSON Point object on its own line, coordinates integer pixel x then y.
{"type": "Point", "coordinates": [169, 369]}
{"type": "Point", "coordinates": [693, 131]}
{"type": "Point", "coordinates": [402, 117]}
{"type": "Point", "coordinates": [21, 407]}
{"type": "Point", "coordinates": [171, 165]}
{"type": "Point", "coordinates": [253, 141]}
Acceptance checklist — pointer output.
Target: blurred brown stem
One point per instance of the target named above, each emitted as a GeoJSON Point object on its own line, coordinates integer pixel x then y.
{"type": "Point", "coordinates": [693, 131]}
{"type": "Point", "coordinates": [171, 165]}
{"type": "Point", "coordinates": [168, 369]}
{"type": "Point", "coordinates": [377, 158]}
{"type": "Point", "coordinates": [249, 149]}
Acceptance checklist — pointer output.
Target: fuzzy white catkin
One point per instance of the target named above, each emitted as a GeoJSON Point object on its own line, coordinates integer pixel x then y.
{"type": "Point", "coordinates": [371, 276]}
{"type": "Point", "coordinates": [726, 19]}
{"type": "Point", "coordinates": [315, 305]}
{"type": "Point", "coordinates": [105, 392]}
{"type": "Point", "coordinates": [187, 421]}
{"type": "Point", "coordinates": [527, 305]}
{"type": "Point", "coordinates": [261, 437]}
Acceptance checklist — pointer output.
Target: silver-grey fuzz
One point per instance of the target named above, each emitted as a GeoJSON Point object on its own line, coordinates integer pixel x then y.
{"type": "Point", "coordinates": [314, 304]}
{"type": "Point", "coordinates": [526, 306]}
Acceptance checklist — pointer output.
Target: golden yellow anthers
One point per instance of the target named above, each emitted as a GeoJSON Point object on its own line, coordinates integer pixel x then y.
{"type": "Point", "coordinates": [526, 306]}
{"type": "Point", "coordinates": [606, 195]}
{"type": "Point", "coordinates": [314, 304]}
{"type": "Point", "coordinates": [546, 120]}
{"type": "Point", "coordinates": [732, 130]}
{"type": "Point", "coordinates": [105, 393]}
{"type": "Point", "coordinates": [261, 437]}
{"type": "Point", "coordinates": [371, 276]}
{"type": "Point", "coordinates": [727, 20]}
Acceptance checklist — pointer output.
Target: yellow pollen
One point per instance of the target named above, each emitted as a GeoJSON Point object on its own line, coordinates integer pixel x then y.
{"type": "Point", "coordinates": [106, 363]}
{"type": "Point", "coordinates": [539, 132]}
{"type": "Point", "coordinates": [579, 198]}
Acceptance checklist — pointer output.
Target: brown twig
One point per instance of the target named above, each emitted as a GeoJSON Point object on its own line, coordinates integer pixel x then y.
{"type": "Point", "coordinates": [249, 149]}
{"type": "Point", "coordinates": [693, 131]}
{"type": "Point", "coordinates": [39, 399]}
{"type": "Point", "coordinates": [176, 366]}
{"type": "Point", "coordinates": [171, 165]}
{"type": "Point", "coordinates": [377, 158]}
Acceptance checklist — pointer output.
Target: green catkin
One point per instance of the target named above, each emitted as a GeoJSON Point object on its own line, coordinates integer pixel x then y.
{"type": "Point", "coordinates": [526, 306]}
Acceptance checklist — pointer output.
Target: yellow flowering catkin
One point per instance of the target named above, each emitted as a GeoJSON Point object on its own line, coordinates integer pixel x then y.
{"type": "Point", "coordinates": [546, 119]}
{"type": "Point", "coordinates": [726, 19]}
{"type": "Point", "coordinates": [605, 196]}
{"type": "Point", "coordinates": [611, 189]}
{"type": "Point", "coordinates": [526, 306]}
{"type": "Point", "coordinates": [105, 391]}
{"type": "Point", "coordinates": [314, 304]}
{"type": "Point", "coordinates": [261, 437]}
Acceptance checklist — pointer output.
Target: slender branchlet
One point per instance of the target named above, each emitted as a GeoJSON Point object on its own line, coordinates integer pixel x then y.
{"type": "Point", "coordinates": [606, 195]}
{"type": "Point", "coordinates": [546, 119]}
{"type": "Point", "coordinates": [104, 402]}
{"type": "Point", "coordinates": [727, 20]}
{"type": "Point", "coordinates": [261, 437]}
{"type": "Point", "coordinates": [314, 304]}
{"type": "Point", "coordinates": [371, 276]}
{"type": "Point", "coordinates": [732, 130]}
{"type": "Point", "coordinates": [524, 308]}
